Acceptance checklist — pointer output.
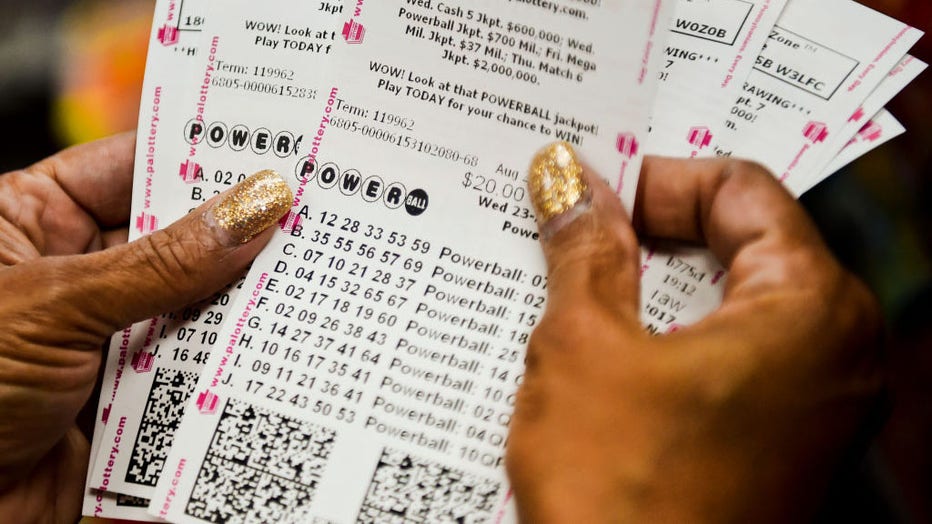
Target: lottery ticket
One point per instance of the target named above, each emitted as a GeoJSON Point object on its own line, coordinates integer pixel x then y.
{"type": "Point", "coordinates": [410, 341]}
{"type": "Point", "coordinates": [858, 128]}
{"type": "Point", "coordinates": [711, 50]}
{"type": "Point", "coordinates": [372, 355]}
{"type": "Point", "coordinates": [173, 46]}
{"type": "Point", "coordinates": [822, 60]}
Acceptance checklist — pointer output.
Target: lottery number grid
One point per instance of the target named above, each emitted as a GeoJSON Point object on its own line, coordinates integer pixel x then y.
{"type": "Point", "coordinates": [408, 490]}
{"type": "Point", "coordinates": [160, 419]}
{"type": "Point", "coordinates": [260, 467]}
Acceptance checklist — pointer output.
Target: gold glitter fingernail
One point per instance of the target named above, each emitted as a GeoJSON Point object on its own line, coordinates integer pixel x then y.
{"type": "Point", "coordinates": [556, 184]}
{"type": "Point", "coordinates": [250, 207]}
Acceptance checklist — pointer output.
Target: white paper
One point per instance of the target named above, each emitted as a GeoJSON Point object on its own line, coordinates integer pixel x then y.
{"type": "Point", "coordinates": [711, 50]}
{"type": "Point", "coordinates": [822, 60]}
{"type": "Point", "coordinates": [444, 283]}
{"type": "Point", "coordinates": [879, 130]}
{"type": "Point", "coordinates": [96, 503]}
{"type": "Point", "coordinates": [820, 63]}
{"type": "Point", "coordinates": [162, 371]}
{"type": "Point", "coordinates": [173, 43]}
{"type": "Point", "coordinates": [679, 286]}
{"type": "Point", "coordinates": [902, 75]}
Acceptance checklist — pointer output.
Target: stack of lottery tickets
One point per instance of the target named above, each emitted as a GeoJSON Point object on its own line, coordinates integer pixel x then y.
{"type": "Point", "coordinates": [364, 370]}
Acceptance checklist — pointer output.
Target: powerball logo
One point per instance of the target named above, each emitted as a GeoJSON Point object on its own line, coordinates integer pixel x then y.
{"type": "Point", "coordinates": [857, 116]}
{"type": "Point", "coordinates": [168, 35]}
{"type": "Point", "coordinates": [699, 137]}
{"type": "Point", "coordinates": [871, 132]}
{"type": "Point", "coordinates": [627, 144]}
{"type": "Point", "coordinates": [353, 31]}
{"type": "Point", "coordinates": [142, 362]}
{"type": "Point", "coordinates": [816, 132]}
{"type": "Point", "coordinates": [207, 402]}
{"type": "Point", "coordinates": [146, 223]}
{"type": "Point", "coordinates": [191, 172]}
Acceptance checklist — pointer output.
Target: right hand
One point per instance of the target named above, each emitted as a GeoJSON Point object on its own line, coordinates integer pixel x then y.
{"type": "Point", "coordinates": [742, 417]}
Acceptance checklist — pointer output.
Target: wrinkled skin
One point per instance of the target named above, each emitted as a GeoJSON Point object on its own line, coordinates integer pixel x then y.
{"type": "Point", "coordinates": [742, 417]}
{"type": "Point", "coordinates": [68, 280]}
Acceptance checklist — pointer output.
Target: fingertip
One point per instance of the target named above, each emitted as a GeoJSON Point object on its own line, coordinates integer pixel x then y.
{"type": "Point", "coordinates": [586, 233]}
{"type": "Point", "coordinates": [562, 189]}
{"type": "Point", "coordinates": [249, 208]}
{"type": "Point", "coordinates": [557, 187]}
{"type": "Point", "coordinates": [191, 258]}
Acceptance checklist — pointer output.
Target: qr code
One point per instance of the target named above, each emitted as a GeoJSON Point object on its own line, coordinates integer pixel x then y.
{"type": "Point", "coordinates": [160, 419]}
{"type": "Point", "coordinates": [408, 490]}
{"type": "Point", "coordinates": [260, 467]}
{"type": "Point", "coordinates": [131, 502]}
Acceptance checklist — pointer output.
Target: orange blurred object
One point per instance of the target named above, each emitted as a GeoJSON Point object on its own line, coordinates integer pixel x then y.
{"type": "Point", "coordinates": [103, 60]}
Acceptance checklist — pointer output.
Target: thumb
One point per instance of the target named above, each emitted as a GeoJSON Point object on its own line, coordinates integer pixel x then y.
{"type": "Point", "coordinates": [182, 263]}
{"type": "Point", "coordinates": [588, 240]}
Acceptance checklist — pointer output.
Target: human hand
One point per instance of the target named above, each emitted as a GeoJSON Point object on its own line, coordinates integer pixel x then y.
{"type": "Point", "coordinates": [68, 279]}
{"type": "Point", "coordinates": [741, 417]}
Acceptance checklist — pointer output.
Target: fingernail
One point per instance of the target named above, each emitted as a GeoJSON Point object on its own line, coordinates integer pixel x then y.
{"type": "Point", "coordinates": [558, 191]}
{"type": "Point", "coordinates": [250, 207]}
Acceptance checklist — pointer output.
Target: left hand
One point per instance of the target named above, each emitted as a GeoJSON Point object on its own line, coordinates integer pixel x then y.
{"type": "Point", "coordinates": [68, 279]}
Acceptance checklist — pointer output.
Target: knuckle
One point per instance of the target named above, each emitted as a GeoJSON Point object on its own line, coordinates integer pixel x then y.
{"type": "Point", "coordinates": [748, 181]}
{"type": "Point", "coordinates": [559, 328]}
{"type": "Point", "coordinates": [569, 339]}
{"type": "Point", "coordinates": [53, 314]}
{"type": "Point", "coordinates": [803, 268]}
{"type": "Point", "coordinates": [843, 300]}
{"type": "Point", "coordinates": [730, 387]}
{"type": "Point", "coordinates": [527, 409]}
{"type": "Point", "coordinates": [593, 240]}
{"type": "Point", "coordinates": [550, 342]}
{"type": "Point", "coordinates": [746, 171]}
{"type": "Point", "coordinates": [522, 441]}
{"type": "Point", "coordinates": [860, 313]}
{"type": "Point", "coordinates": [172, 258]}
{"type": "Point", "coordinates": [867, 305]}
{"type": "Point", "coordinates": [596, 267]}
{"type": "Point", "coordinates": [841, 315]}
{"type": "Point", "coordinates": [519, 459]}
{"type": "Point", "coordinates": [861, 349]}
{"type": "Point", "coordinates": [808, 267]}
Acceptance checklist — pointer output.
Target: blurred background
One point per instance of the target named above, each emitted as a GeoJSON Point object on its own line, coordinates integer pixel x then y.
{"type": "Point", "coordinates": [71, 71]}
